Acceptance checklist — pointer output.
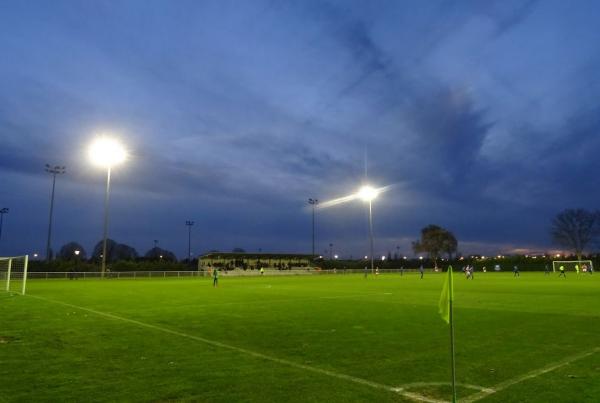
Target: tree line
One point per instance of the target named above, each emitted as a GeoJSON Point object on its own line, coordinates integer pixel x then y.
{"type": "Point", "coordinates": [576, 230]}
{"type": "Point", "coordinates": [73, 251]}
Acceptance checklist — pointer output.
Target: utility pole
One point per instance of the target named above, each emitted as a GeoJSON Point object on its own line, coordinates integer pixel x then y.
{"type": "Point", "coordinates": [189, 225]}
{"type": "Point", "coordinates": [313, 203]}
{"type": "Point", "coordinates": [3, 211]}
{"type": "Point", "coordinates": [55, 170]}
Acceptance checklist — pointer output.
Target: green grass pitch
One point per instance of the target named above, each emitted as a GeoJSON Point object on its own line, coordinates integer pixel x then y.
{"type": "Point", "coordinates": [329, 338]}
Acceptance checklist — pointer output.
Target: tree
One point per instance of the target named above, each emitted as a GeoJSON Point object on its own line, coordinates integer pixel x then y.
{"type": "Point", "coordinates": [238, 250]}
{"type": "Point", "coordinates": [157, 253]}
{"type": "Point", "coordinates": [575, 229]}
{"type": "Point", "coordinates": [67, 252]}
{"type": "Point", "coordinates": [450, 244]}
{"type": "Point", "coordinates": [435, 240]}
{"type": "Point", "coordinates": [115, 251]}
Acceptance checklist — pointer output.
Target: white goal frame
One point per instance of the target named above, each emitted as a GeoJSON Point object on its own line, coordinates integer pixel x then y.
{"type": "Point", "coordinates": [557, 263]}
{"type": "Point", "coordinates": [10, 259]}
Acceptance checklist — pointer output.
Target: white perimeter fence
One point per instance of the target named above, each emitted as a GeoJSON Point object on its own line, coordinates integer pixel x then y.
{"type": "Point", "coordinates": [187, 274]}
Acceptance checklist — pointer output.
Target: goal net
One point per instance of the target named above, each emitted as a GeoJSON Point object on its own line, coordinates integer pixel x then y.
{"type": "Point", "coordinates": [573, 265]}
{"type": "Point", "coordinates": [13, 273]}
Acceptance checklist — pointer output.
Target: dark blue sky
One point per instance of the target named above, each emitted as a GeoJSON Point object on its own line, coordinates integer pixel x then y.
{"type": "Point", "coordinates": [484, 115]}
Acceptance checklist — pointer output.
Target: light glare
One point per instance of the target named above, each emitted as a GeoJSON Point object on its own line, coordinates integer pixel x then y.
{"type": "Point", "coordinates": [106, 152]}
{"type": "Point", "coordinates": [367, 193]}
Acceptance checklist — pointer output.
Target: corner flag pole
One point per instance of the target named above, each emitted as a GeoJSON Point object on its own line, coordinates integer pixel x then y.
{"type": "Point", "coordinates": [447, 314]}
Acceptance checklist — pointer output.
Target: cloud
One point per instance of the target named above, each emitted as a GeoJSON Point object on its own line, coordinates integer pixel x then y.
{"type": "Point", "coordinates": [236, 114]}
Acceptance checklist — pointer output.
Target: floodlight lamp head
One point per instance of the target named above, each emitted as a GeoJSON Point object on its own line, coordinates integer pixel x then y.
{"type": "Point", "coordinates": [107, 152]}
{"type": "Point", "coordinates": [367, 193]}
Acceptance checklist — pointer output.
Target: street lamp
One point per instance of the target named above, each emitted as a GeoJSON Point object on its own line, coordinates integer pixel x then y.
{"type": "Point", "coordinates": [106, 152]}
{"type": "Point", "coordinates": [189, 225]}
{"type": "Point", "coordinates": [3, 211]}
{"type": "Point", "coordinates": [367, 194]}
{"type": "Point", "coordinates": [313, 203]}
{"type": "Point", "coordinates": [54, 170]}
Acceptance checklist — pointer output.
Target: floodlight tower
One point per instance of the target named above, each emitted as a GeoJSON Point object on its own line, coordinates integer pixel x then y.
{"type": "Point", "coordinates": [189, 225]}
{"type": "Point", "coordinates": [53, 170]}
{"type": "Point", "coordinates": [106, 152]}
{"type": "Point", "coordinates": [367, 194]}
{"type": "Point", "coordinates": [313, 203]}
{"type": "Point", "coordinates": [3, 211]}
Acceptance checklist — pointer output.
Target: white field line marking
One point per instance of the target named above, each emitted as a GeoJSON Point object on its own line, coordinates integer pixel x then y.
{"type": "Point", "coordinates": [464, 385]}
{"type": "Point", "coordinates": [251, 353]}
{"type": "Point", "coordinates": [530, 375]}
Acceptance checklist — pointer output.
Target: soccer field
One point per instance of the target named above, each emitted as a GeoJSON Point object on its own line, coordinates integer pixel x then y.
{"type": "Point", "coordinates": [329, 338]}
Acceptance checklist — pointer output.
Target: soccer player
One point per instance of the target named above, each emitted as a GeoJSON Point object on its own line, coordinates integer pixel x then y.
{"type": "Point", "coordinates": [561, 271]}
{"type": "Point", "coordinates": [577, 268]}
{"type": "Point", "coordinates": [401, 271]}
{"type": "Point", "coordinates": [365, 271]}
{"type": "Point", "coordinates": [262, 271]}
{"type": "Point", "coordinates": [216, 277]}
{"type": "Point", "coordinates": [421, 270]}
{"type": "Point", "coordinates": [516, 272]}
{"type": "Point", "coordinates": [377, 271]}
{"type": "Point", "coordinates": [546, 270]}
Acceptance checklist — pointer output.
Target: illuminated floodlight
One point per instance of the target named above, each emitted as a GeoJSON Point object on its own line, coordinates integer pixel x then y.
{"type": "Point", "coordinates": [107, 152]}
{"type": "Point", "coordinates": [366, 257]}
{"type": "Point", "coordinates": [382, 258]}
{"type": "Point", "coordinates": [367, 193]}
{"type": "Point", "coordinates": [420, 257]}
{"type": "Point", "coordinates": [77, 252]}
{"type": "Point", "coordinates": [335, 256]}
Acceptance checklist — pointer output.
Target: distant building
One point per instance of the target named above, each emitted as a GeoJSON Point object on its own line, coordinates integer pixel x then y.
{"type": "Point", "coordinates": [253, 261]}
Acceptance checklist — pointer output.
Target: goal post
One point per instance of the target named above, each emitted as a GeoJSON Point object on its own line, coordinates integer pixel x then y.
{"type": "Point", "coordinates": [13, 270]}
{"type": "Point", "coordinates": [569, 265]}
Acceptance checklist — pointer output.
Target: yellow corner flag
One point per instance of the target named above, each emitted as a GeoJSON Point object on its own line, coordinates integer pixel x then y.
{"type": "Point", "coordinates": [446, 297]}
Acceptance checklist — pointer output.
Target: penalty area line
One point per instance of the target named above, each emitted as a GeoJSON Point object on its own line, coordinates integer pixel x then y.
{"type": "Point", "coordinates": [251, 353]}
{"type": "Point", "coordinates": [529, 375]}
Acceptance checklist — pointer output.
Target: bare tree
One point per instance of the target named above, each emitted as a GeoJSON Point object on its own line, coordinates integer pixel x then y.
{"type": "Point", "coordinates": [575, 229]}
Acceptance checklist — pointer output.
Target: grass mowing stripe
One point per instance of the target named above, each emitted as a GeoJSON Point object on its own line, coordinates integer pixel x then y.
{"type": "Point", "coordinates": [530, 375]}
{"type": "Point", "coordinates": [350, 378]}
